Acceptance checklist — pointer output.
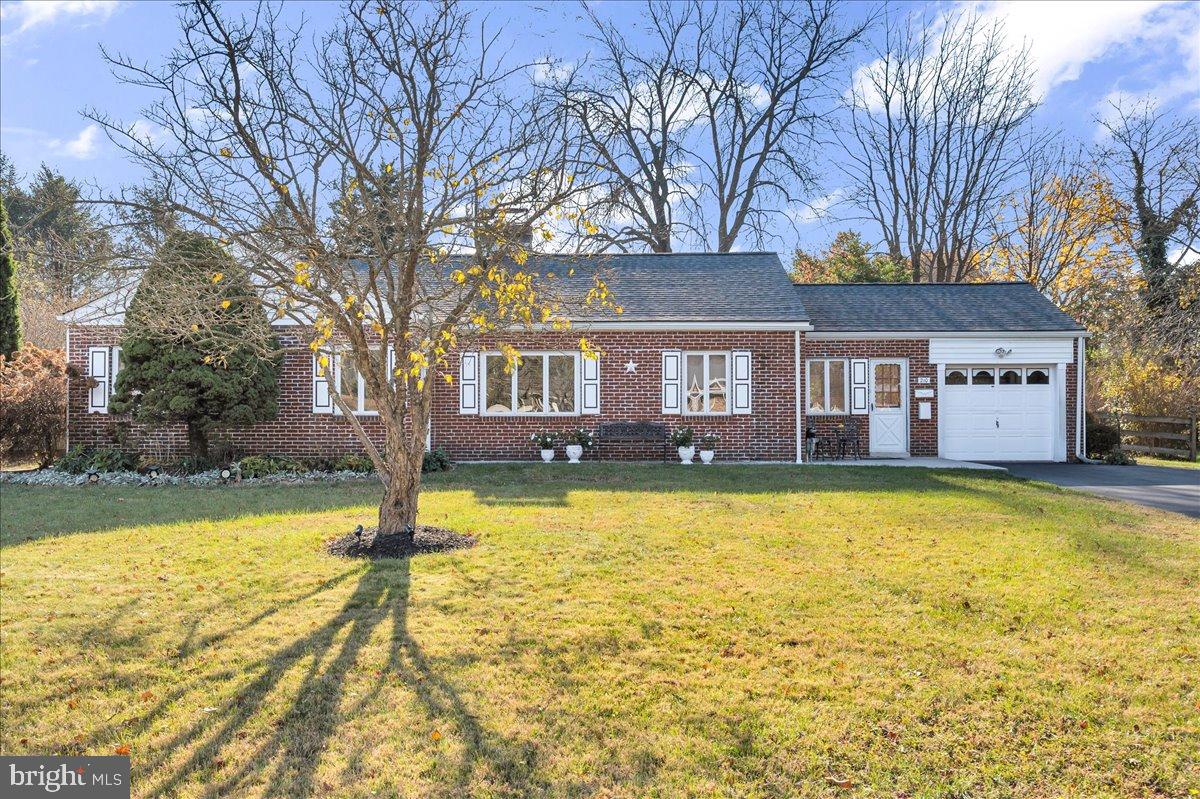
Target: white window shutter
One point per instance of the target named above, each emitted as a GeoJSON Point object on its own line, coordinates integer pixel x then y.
{"type": "Point", "coordinates": [391, 364]}
{"type": "Point", "coordinates": [591, 385]}
{"type": "Point", "coordinates": [116, 367]}
{"type": "Point", "coordinates": [859, 386]}
{"type": "Point", "coordinates": [468, 382]}
{"type": "Point", "coordinates": [98, 370]}
{"type": "Point", "coordinates": [322, 402]}
{"type": "Point", "coordinates": [672, 381]}
{"type": "Point", "coordinates": [740, 382]}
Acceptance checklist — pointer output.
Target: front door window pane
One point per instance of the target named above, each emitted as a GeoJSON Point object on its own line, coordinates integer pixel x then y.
{"type": "Point", "coordinates": [837, 386]}
{"type": "Point", "coordinates": [562, 384]}
{"type": "Point", "coordinates": [816, 386]}
{"type": "Point", "coordinates": [529, 385]}
{"type": "Point", "coordinates": [718, 374]}
{"type": "Point", "coordinates": [499, 386]}
{"type": "Point", "coordinates": [887, 385]}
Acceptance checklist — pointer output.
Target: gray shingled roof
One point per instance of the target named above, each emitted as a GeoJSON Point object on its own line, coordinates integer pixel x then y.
{"type": "Point", "coordinates": [969, 307]}
{"type": "Point", "coordinates": [742, 286]}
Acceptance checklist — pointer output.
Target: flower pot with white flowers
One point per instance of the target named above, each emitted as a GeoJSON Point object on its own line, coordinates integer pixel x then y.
{"type": "Point", "coordinates": [545, 444]}
{"type": "Point", "coordinates": [684, 439]}
{"type": "Point", "coordinates": [708, 447]}
{"type": "Point", "coordinates": [578, 440]}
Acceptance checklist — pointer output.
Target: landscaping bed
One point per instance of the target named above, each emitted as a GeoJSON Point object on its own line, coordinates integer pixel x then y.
{"type": "Point", "coordinates": [426, 540]}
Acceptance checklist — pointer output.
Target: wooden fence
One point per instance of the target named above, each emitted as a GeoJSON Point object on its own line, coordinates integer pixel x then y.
{"type": "Point", "coordinates": [1160, 434]}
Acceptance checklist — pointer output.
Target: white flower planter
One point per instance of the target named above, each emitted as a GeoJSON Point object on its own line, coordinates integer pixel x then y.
{"type": "Point", "coordinates": [686, 454]}
{"type": "Point", "coordinates": [574, 452]}
{"type": "Point", "coordinates": [547, 455]}
{"type": "Point", "coordinates": [706, 455]}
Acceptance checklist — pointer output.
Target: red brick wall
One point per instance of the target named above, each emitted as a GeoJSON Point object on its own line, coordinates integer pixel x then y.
{"type": "Point", "coordinates": [297, 431]}
{"type": "Point", "coordinates": [769, 433]}
{"type": "Point", "coordinates": [922, 435]}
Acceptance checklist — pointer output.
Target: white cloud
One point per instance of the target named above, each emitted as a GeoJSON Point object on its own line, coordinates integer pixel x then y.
{"type": "Point", "coordinates": [1063, 37]}
{"type": "Point", "coordinates": [547, 71]}
{"type": "Point", "coordinates": [29, 14]}
{"type": "Point", "coordinates": [146, 132]}
{"type": "Point", "coordinates": [816, 210]}
{"type": "Point", "coordinates": [83, 146]}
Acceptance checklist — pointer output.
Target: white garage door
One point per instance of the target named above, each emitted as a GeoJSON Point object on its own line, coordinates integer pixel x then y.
{"type": "Point", "coordinates": [1003, 413]}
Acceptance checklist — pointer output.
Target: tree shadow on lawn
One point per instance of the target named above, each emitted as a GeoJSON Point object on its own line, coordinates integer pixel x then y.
{"type": "Point", "coordinates": [286, 760]}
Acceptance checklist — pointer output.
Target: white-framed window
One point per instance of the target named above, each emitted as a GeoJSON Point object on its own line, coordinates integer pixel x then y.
{"type": "Point", "coordinates": [705, 383]}
{"type": "Point", "coordinates": [542, 383]}
{"type": "Point", "coordinates": [828, 388]}
{"type": "Point", "coordinates": [351, 386]}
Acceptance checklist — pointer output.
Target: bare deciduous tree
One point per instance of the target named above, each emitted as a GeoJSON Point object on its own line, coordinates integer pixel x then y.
{"type": "Point", "coordinates": [1153, 160]}
{"type": "Point", "coordinates": [377, 182]}
{"type": "Point", "coordinates": [934, 145]}
{"type": "Point", "coordinates": [717, 118]}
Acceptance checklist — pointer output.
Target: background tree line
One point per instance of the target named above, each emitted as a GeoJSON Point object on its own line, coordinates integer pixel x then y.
{"type": "Point", "coordinates": [706, 133]}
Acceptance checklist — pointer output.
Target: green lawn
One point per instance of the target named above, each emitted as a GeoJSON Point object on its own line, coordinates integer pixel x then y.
{"type": "Point", "coordinates": [622, 631]}
{"type": "Point", "coordinates": [1149, 460]}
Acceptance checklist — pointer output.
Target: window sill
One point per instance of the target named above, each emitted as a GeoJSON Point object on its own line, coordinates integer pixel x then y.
{"type": "Point", "coordinates": [827, 413]}
{"type": "Point", "coordinates": [528, 415]}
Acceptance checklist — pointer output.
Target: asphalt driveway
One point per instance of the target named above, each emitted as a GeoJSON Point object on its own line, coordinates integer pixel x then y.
{"type": "Point", "coordinates": [1162, 487]}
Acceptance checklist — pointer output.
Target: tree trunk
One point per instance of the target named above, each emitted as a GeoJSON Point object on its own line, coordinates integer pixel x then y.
{"type": "Point", "coordinates": [398, 510]}
{"type": "Point", "coordinates": [197, 441]}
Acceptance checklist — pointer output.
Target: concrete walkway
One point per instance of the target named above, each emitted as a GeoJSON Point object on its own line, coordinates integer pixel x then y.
{"type": "Point", "coordinates": [921, 463]}
{"type": "Point", "coordinates": [1162, 487]}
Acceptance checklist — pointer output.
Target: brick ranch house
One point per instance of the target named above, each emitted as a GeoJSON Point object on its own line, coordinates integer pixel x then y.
{"type": "Point", "coordinates": [721, 342]}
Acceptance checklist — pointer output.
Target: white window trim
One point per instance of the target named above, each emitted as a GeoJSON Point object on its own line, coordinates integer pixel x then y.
{"type": "Point", "coordinates": [483, 386]}
{"type": "Point", "coordinates": [808, 410]}
{"type": "Point", "coordinates": [683, 398]}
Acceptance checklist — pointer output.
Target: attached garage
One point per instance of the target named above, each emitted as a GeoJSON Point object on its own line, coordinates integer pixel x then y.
{"type": "Point", "coordinates": [988, 371]}
{"type": "Point", "coordinates": [1002, 398]}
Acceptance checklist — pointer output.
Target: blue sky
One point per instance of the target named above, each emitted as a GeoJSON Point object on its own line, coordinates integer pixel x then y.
{"type": "Point", "coordinates": [1086, 54]}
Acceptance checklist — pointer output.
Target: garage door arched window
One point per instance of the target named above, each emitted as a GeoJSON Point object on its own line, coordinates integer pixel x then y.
{"type": "Point", "coordinates": [1010, 377]}
{"type": "Point", "coordinates": [956, 377]}
{"type": "Point", "coordinates": [983, 377]}
{"type": "Point", "coordinates": [1037, 377]}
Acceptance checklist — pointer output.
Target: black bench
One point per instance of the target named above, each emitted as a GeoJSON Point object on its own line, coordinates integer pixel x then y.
{"type": "Point", "coordinates": [628, 432]}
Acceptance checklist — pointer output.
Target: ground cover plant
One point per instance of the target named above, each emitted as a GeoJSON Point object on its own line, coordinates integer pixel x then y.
{"type": "Point", "coordinates": [615, 631]}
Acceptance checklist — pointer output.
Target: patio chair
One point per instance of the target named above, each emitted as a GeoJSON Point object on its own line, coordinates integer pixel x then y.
{"type": "Point", "coordinates": [847, 440]}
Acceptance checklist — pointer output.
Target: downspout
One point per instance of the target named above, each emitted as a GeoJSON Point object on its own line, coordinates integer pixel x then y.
{"type": "Point", "coordinates": [68, 360]}
{"type": "Point", "coordinates": [796, 392]}
{"type": "Point", "coordinates": [1080, 391]}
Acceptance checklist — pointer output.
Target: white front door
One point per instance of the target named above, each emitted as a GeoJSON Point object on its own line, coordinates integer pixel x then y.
{"type": "Point", "coordinates": [889, 407]}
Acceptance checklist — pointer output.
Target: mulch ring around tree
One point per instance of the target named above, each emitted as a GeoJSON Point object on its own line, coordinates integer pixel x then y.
{"type": "Point", "coordinates": [426, 540]}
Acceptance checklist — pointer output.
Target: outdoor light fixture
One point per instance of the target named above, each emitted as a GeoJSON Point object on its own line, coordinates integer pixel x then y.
{"type": "Point", "coordinates": [226, 473]}
{"type": "Point", "coordinates": [93, 477]}
{"type": "Point", "coordinates": [152, 472]}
